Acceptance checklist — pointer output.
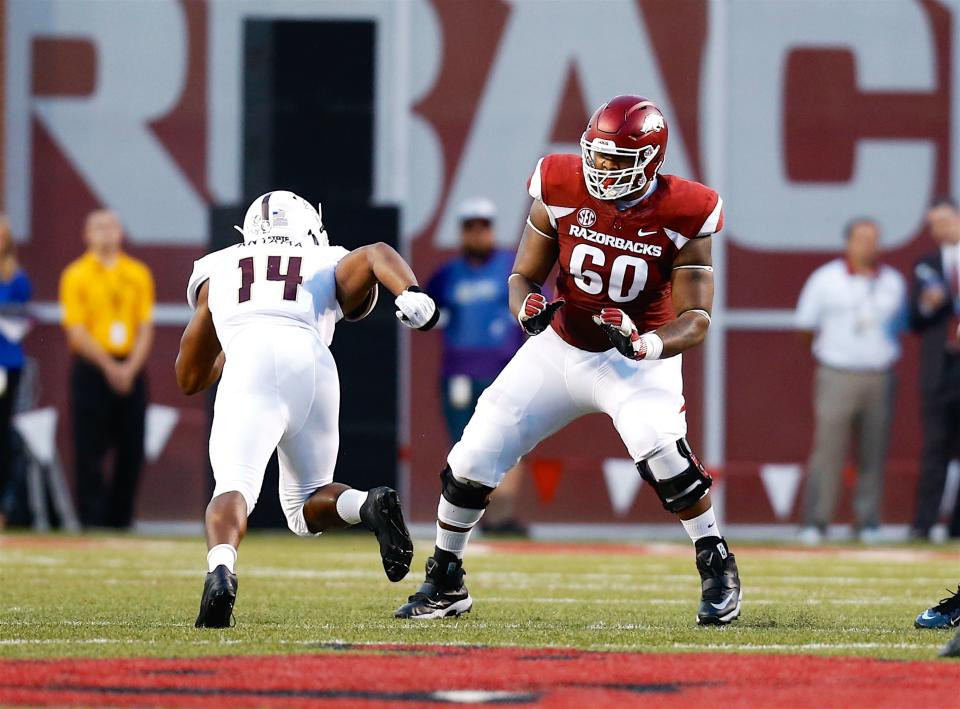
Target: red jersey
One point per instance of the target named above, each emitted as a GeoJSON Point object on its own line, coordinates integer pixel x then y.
{"type": "Point", "coordinates": [618, 259]}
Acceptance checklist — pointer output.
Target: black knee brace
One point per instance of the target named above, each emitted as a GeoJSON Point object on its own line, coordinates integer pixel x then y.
{"type": "Point", "coordinates": [684, 490]}
{"type": "Point", "coordinates": [471, 496]}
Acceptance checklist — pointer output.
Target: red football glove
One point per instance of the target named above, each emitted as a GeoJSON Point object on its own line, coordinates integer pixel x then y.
{"type": "Point", "coordinates": [623, 334]}
{"type": "Point", "coordinates": [536, 313]}
{"type": "Point", "coordinates": [620, 330]}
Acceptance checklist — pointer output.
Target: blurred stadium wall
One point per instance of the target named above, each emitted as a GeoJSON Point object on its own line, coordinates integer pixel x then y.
{"type": "Point", "coordinates": [801, 113]}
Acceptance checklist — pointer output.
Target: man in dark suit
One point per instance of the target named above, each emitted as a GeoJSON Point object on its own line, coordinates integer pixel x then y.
{"type": "Point", "coordinates": [934, 310]}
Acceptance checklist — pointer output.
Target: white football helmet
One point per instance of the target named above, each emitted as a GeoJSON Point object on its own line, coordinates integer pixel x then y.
{"type": "Point", "coordinates": [284, 216]}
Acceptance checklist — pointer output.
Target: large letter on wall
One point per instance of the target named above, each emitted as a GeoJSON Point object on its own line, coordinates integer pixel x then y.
{"type": "Point", "coordinates": [141, 59]}
{"type": "Point", "coordinates": [794, 180]}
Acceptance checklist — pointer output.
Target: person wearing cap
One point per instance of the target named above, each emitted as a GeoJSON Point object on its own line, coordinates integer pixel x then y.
{"type": "Point", "coordinates": [479, 335]}
{"type": "Point", "coordinates": [107, 299]}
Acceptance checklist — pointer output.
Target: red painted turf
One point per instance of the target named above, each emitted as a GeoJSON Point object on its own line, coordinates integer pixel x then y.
{"type": "Point", "coordinates": [409, 676]}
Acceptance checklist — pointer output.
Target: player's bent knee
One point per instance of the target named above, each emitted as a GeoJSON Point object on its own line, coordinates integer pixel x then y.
{"type": "Point", "coordinates": [677, 476]}
{"type": "Point", "coordinates": [639, 437]}
{"type": "Point", "coordinates": [475, 465]}
{"type": "Point", "coordinates": [249, 496]}
{"type": "Point", "coordinates": [462, 492]}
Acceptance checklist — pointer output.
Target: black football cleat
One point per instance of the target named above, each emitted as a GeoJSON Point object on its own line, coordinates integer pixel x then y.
{"type": "Point", "coordinates": [381, 514]}
{"type": "Point", "coordinates": [946, 614]}
{"type": "Point", "coordinates": [219, 594]}
{"type": "Point", "coordinates": [442, 594]}
{"type": "Point", "coordinates": [720, 584]}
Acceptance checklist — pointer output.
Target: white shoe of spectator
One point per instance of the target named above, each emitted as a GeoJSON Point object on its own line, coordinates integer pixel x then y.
{"type": "Point", "coordinates": [939, 535]}
{"type": "Point", "coordinates": [870, 535]}
{"type": "Point", "coordinates": [811, 536]}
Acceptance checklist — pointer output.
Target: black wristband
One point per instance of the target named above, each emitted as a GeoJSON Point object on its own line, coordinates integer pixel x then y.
{"type": "Point", "coordinates": [413, 289]}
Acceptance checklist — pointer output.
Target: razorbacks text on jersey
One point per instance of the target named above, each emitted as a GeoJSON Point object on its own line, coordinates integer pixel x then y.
{"type": "Point", "coordinates": [619, 258]}
{"type": "Point", "coordinates": [268, 282]}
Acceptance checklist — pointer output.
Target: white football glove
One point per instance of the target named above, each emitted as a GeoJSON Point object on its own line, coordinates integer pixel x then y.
{"type": "Point", "coordinates": [416, 309]}
{"type": "Point", "coordinates": [623, 334]}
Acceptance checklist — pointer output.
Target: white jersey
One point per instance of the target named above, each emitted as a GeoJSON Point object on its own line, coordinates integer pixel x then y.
{"type": "Point", "coordinates": [269, 284]}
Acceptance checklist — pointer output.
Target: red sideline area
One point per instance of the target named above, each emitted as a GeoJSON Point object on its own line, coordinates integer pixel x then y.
{"type": "Point", "coordinates": [429, 676]}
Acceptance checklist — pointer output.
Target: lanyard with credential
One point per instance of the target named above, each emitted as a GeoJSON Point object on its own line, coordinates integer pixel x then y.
{"type": "Point", "coordinates": [118, 328]}
{"type": "Point", "coordinates": [869, 312]}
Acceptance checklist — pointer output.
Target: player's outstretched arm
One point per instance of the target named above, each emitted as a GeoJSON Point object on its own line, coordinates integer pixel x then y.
{"type": "Point", "coordinates": [692, 288]}
{"type": "Point", "coordinates": [200, 360]}
{"type": "Point", "coordinates": [536, 256]}
{"type": "Point", "coordinates": [360, 271]}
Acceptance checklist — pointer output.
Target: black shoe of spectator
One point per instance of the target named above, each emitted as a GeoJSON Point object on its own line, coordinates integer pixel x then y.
{"type": "Point", "coordinates": [508, 527]}
{"type": "Point", "coordinates": [919, 535]}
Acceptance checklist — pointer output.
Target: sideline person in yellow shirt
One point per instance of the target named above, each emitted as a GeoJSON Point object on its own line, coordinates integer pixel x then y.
{"type": "Point", "coordinates": [107, 299]}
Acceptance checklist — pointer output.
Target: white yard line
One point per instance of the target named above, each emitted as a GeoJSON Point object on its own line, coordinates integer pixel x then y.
{"type": "Point", "coordinates": [687, 601]}
{"type": "Point", "coordinates": [756, 647]}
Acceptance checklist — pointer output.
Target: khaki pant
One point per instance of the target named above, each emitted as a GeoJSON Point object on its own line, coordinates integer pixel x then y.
{"type": "Point", "coordinates": [848, 402]}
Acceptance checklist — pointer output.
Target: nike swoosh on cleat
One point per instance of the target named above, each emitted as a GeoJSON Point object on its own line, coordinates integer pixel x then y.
{"type": "Point", "coordinates": [726, 602]}
{"type": "Point", "coordinates": [927, 615]}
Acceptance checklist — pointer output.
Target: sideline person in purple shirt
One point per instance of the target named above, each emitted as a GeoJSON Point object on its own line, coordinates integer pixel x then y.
{"type": "Point", "coordinates": [480, 336]}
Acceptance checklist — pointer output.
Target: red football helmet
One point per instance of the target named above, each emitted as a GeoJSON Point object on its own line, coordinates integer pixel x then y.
{"type": "Point", "coordinates": [626, 127]}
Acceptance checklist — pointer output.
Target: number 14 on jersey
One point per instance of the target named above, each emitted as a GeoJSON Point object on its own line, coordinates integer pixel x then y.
{"type": "Point", "coordinates": [290, 278]}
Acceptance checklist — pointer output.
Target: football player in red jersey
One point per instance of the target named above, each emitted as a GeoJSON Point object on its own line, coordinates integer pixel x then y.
{"type": "Point", "coordinates": [635, 288]}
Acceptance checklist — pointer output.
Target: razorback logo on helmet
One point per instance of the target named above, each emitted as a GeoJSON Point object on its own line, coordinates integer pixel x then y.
{"type": "Point", "coordinates": [652, 122]}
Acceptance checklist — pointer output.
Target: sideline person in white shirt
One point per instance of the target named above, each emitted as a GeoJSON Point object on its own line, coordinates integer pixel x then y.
{"type": "Point", "coordinates": [851, 312]}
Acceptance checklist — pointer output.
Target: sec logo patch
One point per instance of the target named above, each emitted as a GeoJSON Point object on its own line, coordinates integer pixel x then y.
{"type": "Point", "coordinates": [586, 217]}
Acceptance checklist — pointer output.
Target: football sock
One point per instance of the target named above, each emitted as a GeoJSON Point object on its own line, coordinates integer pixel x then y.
{"type": "Point", "coordinates": [453, 542]}
{"type": "Point", "coordinates": [463, 518]}
{"type": "Point", "coordinates": [703, 525]}
{"type": "Point", "coordinates": [224, 554]}
{"type": "Point", "coordinates": [348, 505]}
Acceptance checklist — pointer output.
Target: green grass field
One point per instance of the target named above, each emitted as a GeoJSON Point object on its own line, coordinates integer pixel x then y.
{"type": "Point", "coordinates": [121, 596]}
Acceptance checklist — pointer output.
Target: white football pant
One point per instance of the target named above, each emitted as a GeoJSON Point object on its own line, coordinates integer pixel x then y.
{"type": "Point", "coordinates": [548, 384]}
{"type": "Point", "coordinates": [279, 390]}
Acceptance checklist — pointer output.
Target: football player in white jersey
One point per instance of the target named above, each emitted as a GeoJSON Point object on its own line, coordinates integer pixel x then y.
{"type": "Point", "coordinates": [264, 314]}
